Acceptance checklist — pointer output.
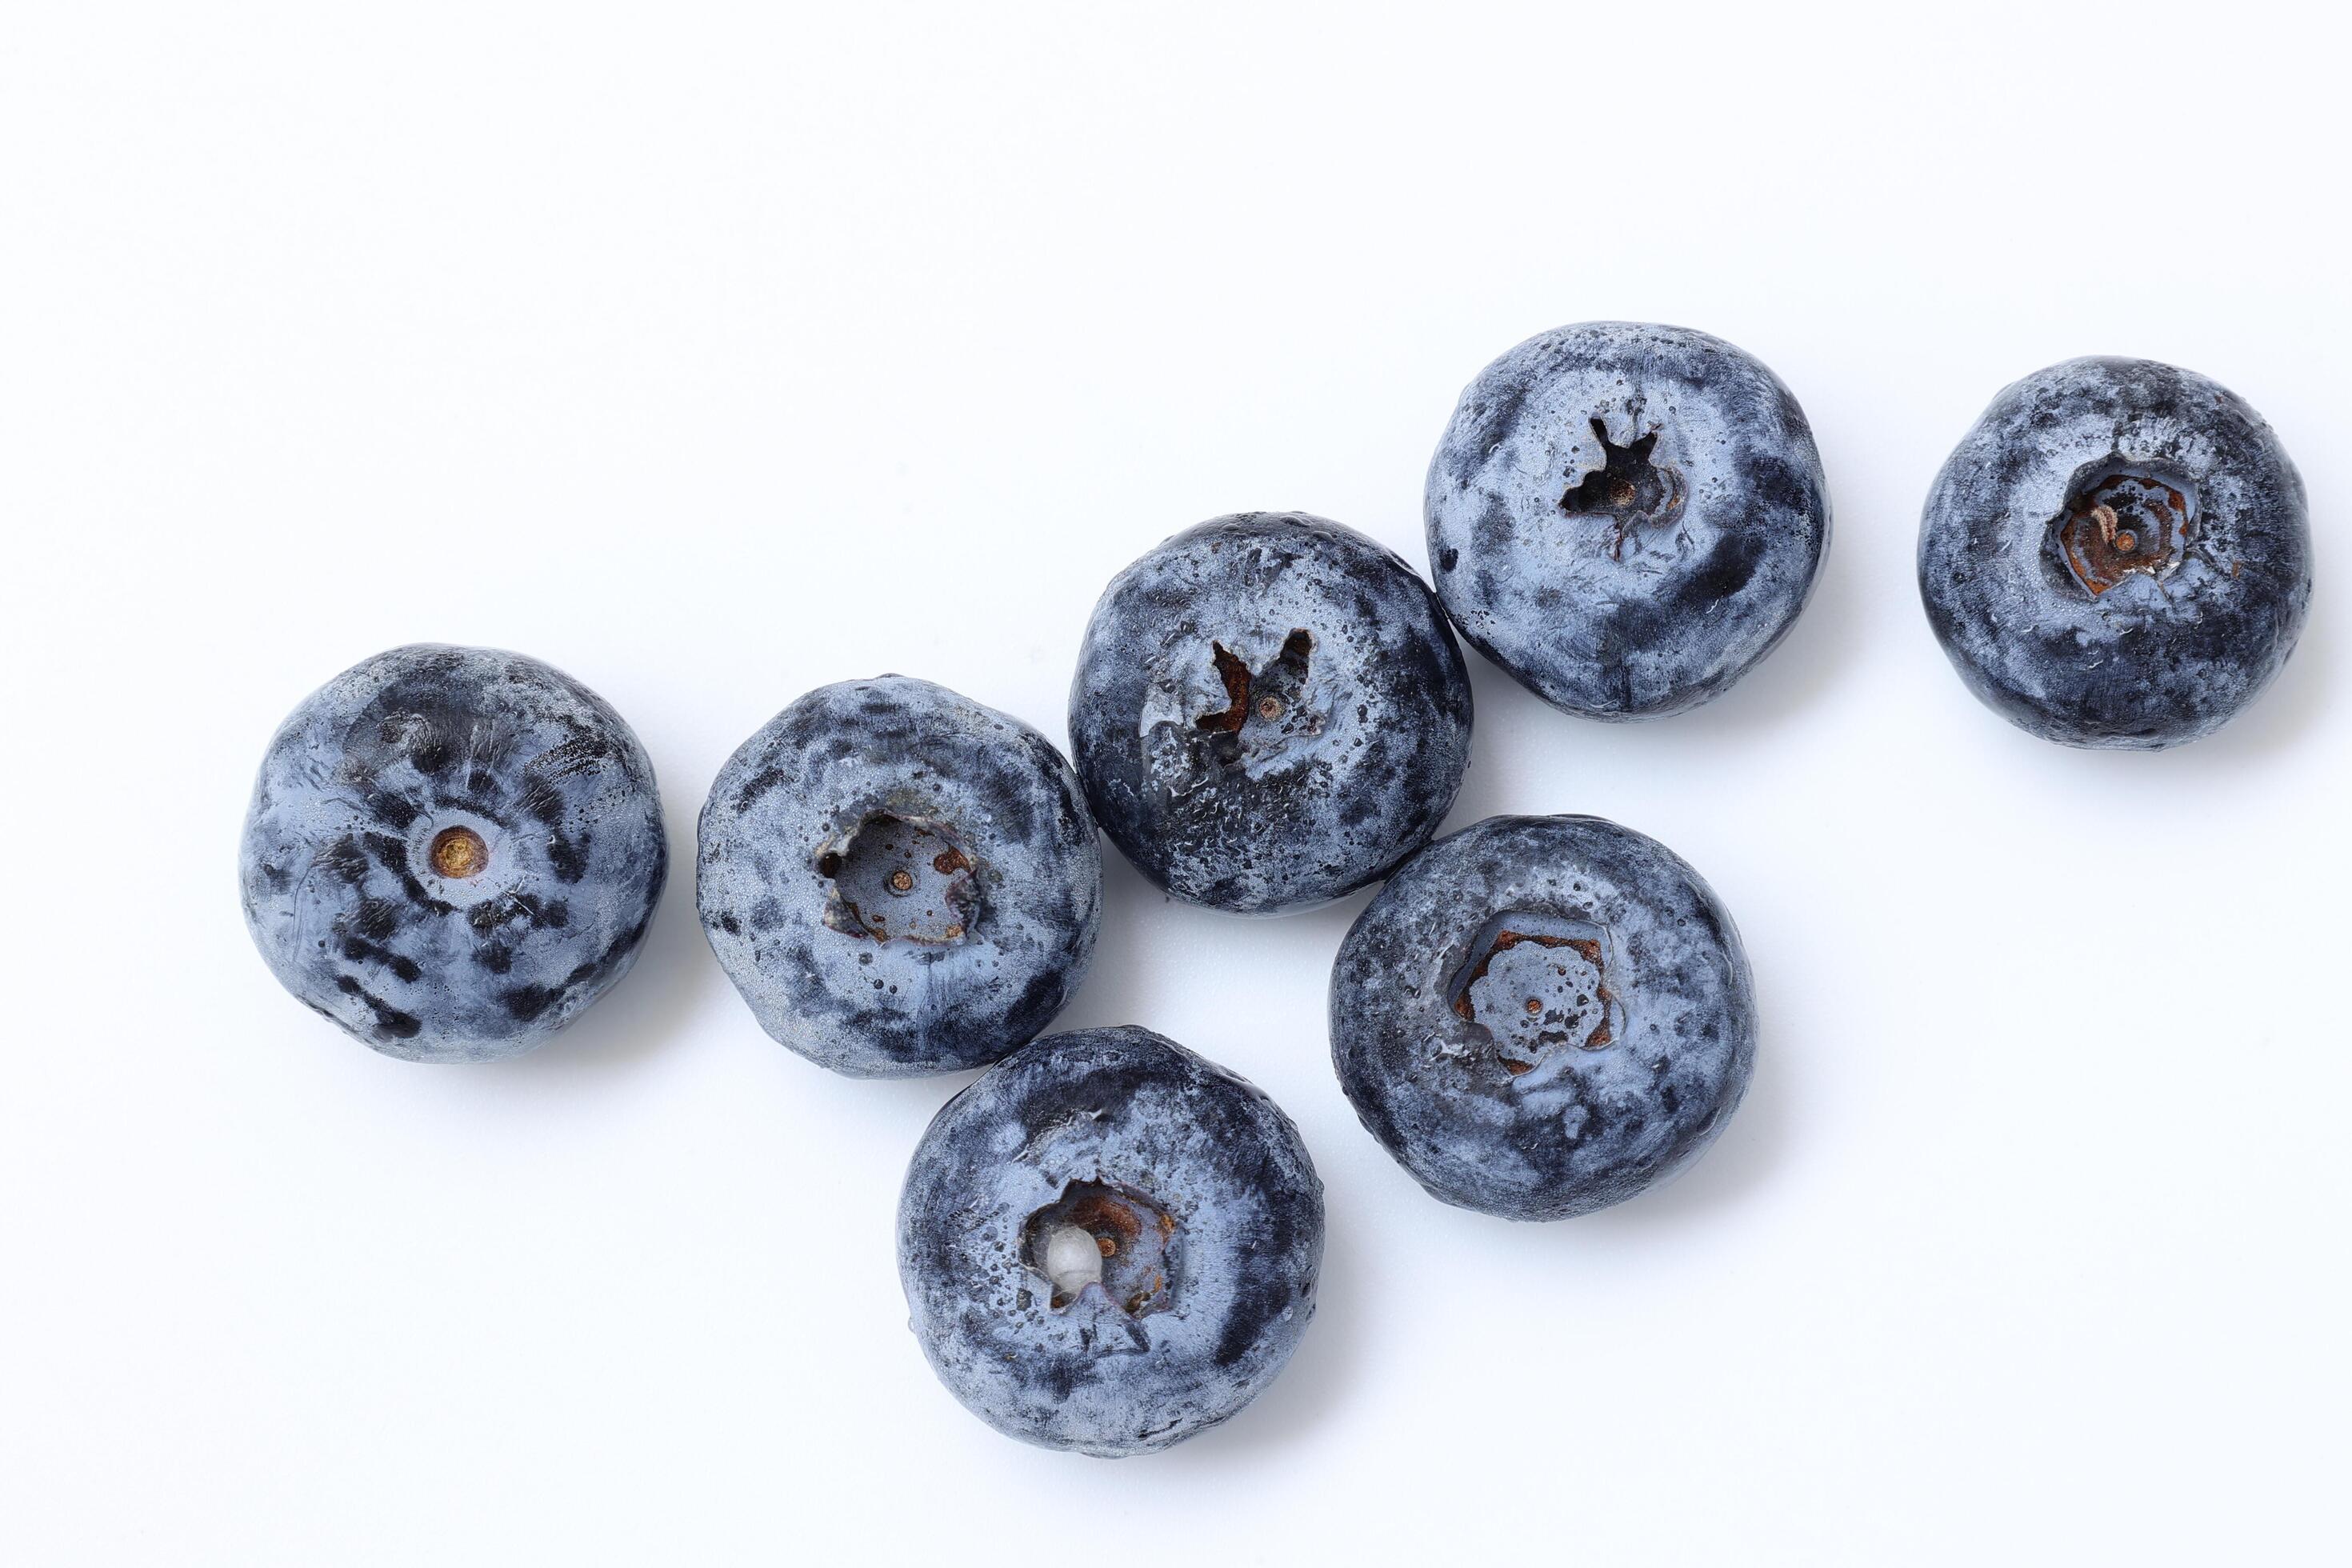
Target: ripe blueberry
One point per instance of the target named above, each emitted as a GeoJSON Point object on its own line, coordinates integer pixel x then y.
{"type": "Point", "coordinates": [451, 851]}
{"type": "Point", "coordinates": [1626, 516]}
{"type": "Point", "coordinates": [1269, 713]}
{"type": "Point", "coordinates": [1541, 1015]}
{"type": "Point", "coordinates": [2116, 554]}
{"type": "Point", "coordinates": [1110, 1243]}
{"type": "Point", "coordinates": [898, 880]}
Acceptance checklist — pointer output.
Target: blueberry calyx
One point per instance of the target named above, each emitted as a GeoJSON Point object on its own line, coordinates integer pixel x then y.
{"type": "Point", "coordinates": [1257, 700]}
{"type": "Point", "coordinates": [1535, 982]}
{"type": "Point", "coordinates": [1098, 1235]}
{"type": "Point", "coordinates": [1628, 488]}
{"type": "Point", "coordinates": [907, 877]}
{"type": "Point", "coordinates": [2126, 523]}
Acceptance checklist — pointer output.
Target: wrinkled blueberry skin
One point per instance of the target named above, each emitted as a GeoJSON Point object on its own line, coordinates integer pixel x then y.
{"type": "Point", "coordinates": [972, 959]}
{"type": "Point", "coordinates": [2155, 658]}
{"type": "Point", "coordinates": [1243, 766]}
{"type": "Point", "coordinates": [344, 896]}
{"type": "Point", "coordinates": [1125, 1107]}
{"type": "Point", "coordinates": [1611, 1091]}
{"type": "Point", "coordinates": [1656, 599]}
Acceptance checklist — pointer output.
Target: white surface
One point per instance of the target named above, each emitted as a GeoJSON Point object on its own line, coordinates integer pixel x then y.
{"type": "Point", "coordinates": [714, 356]}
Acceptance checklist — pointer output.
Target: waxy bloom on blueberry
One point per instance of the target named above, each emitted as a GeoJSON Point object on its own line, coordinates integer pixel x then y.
{"type": "Point", "coordinates": [2117, 555]}
{"type": "Point", "coordinates": [451, 851]}
{"type": "Point", "coordinates": [898, 880]}
{"type": "Point", "coordinates": [1269, 713]}
{"type": "Point", "coordinates": [1626, 515]}
{"type": "Point", "coordinates": [1110, 1243]}
{"type": "Point", "coordinates": [1541, 1015]}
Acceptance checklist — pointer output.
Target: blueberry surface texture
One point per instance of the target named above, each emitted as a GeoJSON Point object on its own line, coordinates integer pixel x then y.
{"type": "Point", "coordinates": [1269, 713]}
{"type": "Point", "coordinates": [1110, 1243]}
{"type": "Point", "coordinates": [2117, 555]}
{"type": "Point", "coordinates": [451, 851]}
{"type": "Point", "coordinates": [898, 879]}
{"type": "Point", "coordinates": [1539, 1016]}
{"type": "Point", "coordinates": [1626, 515]}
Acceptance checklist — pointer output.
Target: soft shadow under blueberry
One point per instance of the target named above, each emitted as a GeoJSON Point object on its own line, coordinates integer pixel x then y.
{"type": "Point", "coordinates": [1809, 661]}
{"type": "Point", "coordinates": [2278, 719]}
{"type": "Point", "coordinates": [1303, 1402]}
{"type": "Point", "coordinates": [1735, 1170]}
{"type": "Point", "coordinates": [673, 974]}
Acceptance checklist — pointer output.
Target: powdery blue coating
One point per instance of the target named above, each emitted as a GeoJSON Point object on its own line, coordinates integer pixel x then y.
{"type": "Point", "coordinates": [2155, 659]}
{"type": "Point", "coordinates": [1646, 608]}
{"type": "Point", "coordinates": [342, 895]}
{"type": "Point", "coordinates": [1581, 1125]}
{"type": "Point", "coordinates": [1129, 1109]}
{"type": "Point", "coordinates": [1270, 808]}
{"type": "Point", "coordinates": [786, 838]}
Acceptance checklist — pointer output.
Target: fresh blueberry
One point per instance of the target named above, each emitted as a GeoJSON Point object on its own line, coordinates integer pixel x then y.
{"type": "Point", "coordinates": [451, 851]}
{"type": "Point", "coordinates": [1539, 1016]}
{"type": "Point", "coordinates": [1110, 1243]}
{"type": "Point", "coordinates": [898, 880]}
{"type": "Point", "coordinates": [2116, 554]}
{"type": "Point", "coordinates": [1626, 516]}
{"type": "Point", "coordinates": [1269, 713]}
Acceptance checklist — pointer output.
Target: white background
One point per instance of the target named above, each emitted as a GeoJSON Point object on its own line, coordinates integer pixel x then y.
{"type": "Point", "coordinates": [711, 355]}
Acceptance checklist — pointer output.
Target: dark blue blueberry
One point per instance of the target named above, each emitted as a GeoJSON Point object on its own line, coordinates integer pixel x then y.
{"type": "Point", "coordinates": [451, 851]}
{"type": "Point", "coordinates": [1541, 1015]}
{"type": "Point", "coordinates": [1110, 1243]}
{"type": "Point", "coordinates": [1626, 516]}
{"type": "Point", "coordinates": [1269, 713]}
{"type": "Point", "coordinates": [2116, 554]}
{"type": "Point", "coordinates": [898, 880]}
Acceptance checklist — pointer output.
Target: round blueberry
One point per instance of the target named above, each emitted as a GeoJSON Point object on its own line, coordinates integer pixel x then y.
{"type": "Point", "coordinates": [1269, 713]}
{"type": "Point", "coordinates": [1539, 1016]}
{"type": "Point", "coordinates": [1110, 1243]}
{"type": "Point", "coordinates": [451, 851]}
{"type": "Point", "coordinates": [898, 880]}
{"type": "Point", "coordinates": [1626, 516]}
{"type": "Point", "coordinates": [2116, 554]}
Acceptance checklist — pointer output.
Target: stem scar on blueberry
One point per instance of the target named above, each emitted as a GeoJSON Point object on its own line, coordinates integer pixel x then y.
{"type": "Point", "coordinates": [1628, 488]}
{"type": "Point", "coordinates": [459, 853]}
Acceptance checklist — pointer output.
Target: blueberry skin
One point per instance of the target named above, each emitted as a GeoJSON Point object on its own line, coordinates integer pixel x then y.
{"type": "Point", "coordinates": [861, 780]}
{"type": "Point", "coordinates": [1269, 713]}
{"type": "Point", "coordinates": [2186, 624]}
{"type": "Point", "coordinates": [430, 959]}
{"type": "Point", "coordinates": [1638, 569]}
{"type": "Point", "coordinates": [1125, 1111]}
{"type": "Point", "coordinates": [1602, 1090]}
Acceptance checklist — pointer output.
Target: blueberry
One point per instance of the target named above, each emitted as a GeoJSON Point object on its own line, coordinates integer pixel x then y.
{"type": "Point", "coordinates": [1110, 1243]}
{"type": "Point", "coordinates": [1541, 1015]}
{"type": "Point", "coordinates": [2116, 554]}
{"type": "Point", "coordinates": [451, 851]}
{"type": "Point", "coordinates": [1626, 516]}
{"type": "Point", "coordinates": [1269, 713]}
{"type": "Point", "coordinates": [898, 880]}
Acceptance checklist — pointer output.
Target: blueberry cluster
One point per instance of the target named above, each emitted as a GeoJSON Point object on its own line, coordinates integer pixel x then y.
{"type": "Point", "coordinates": [1108, 1243]}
